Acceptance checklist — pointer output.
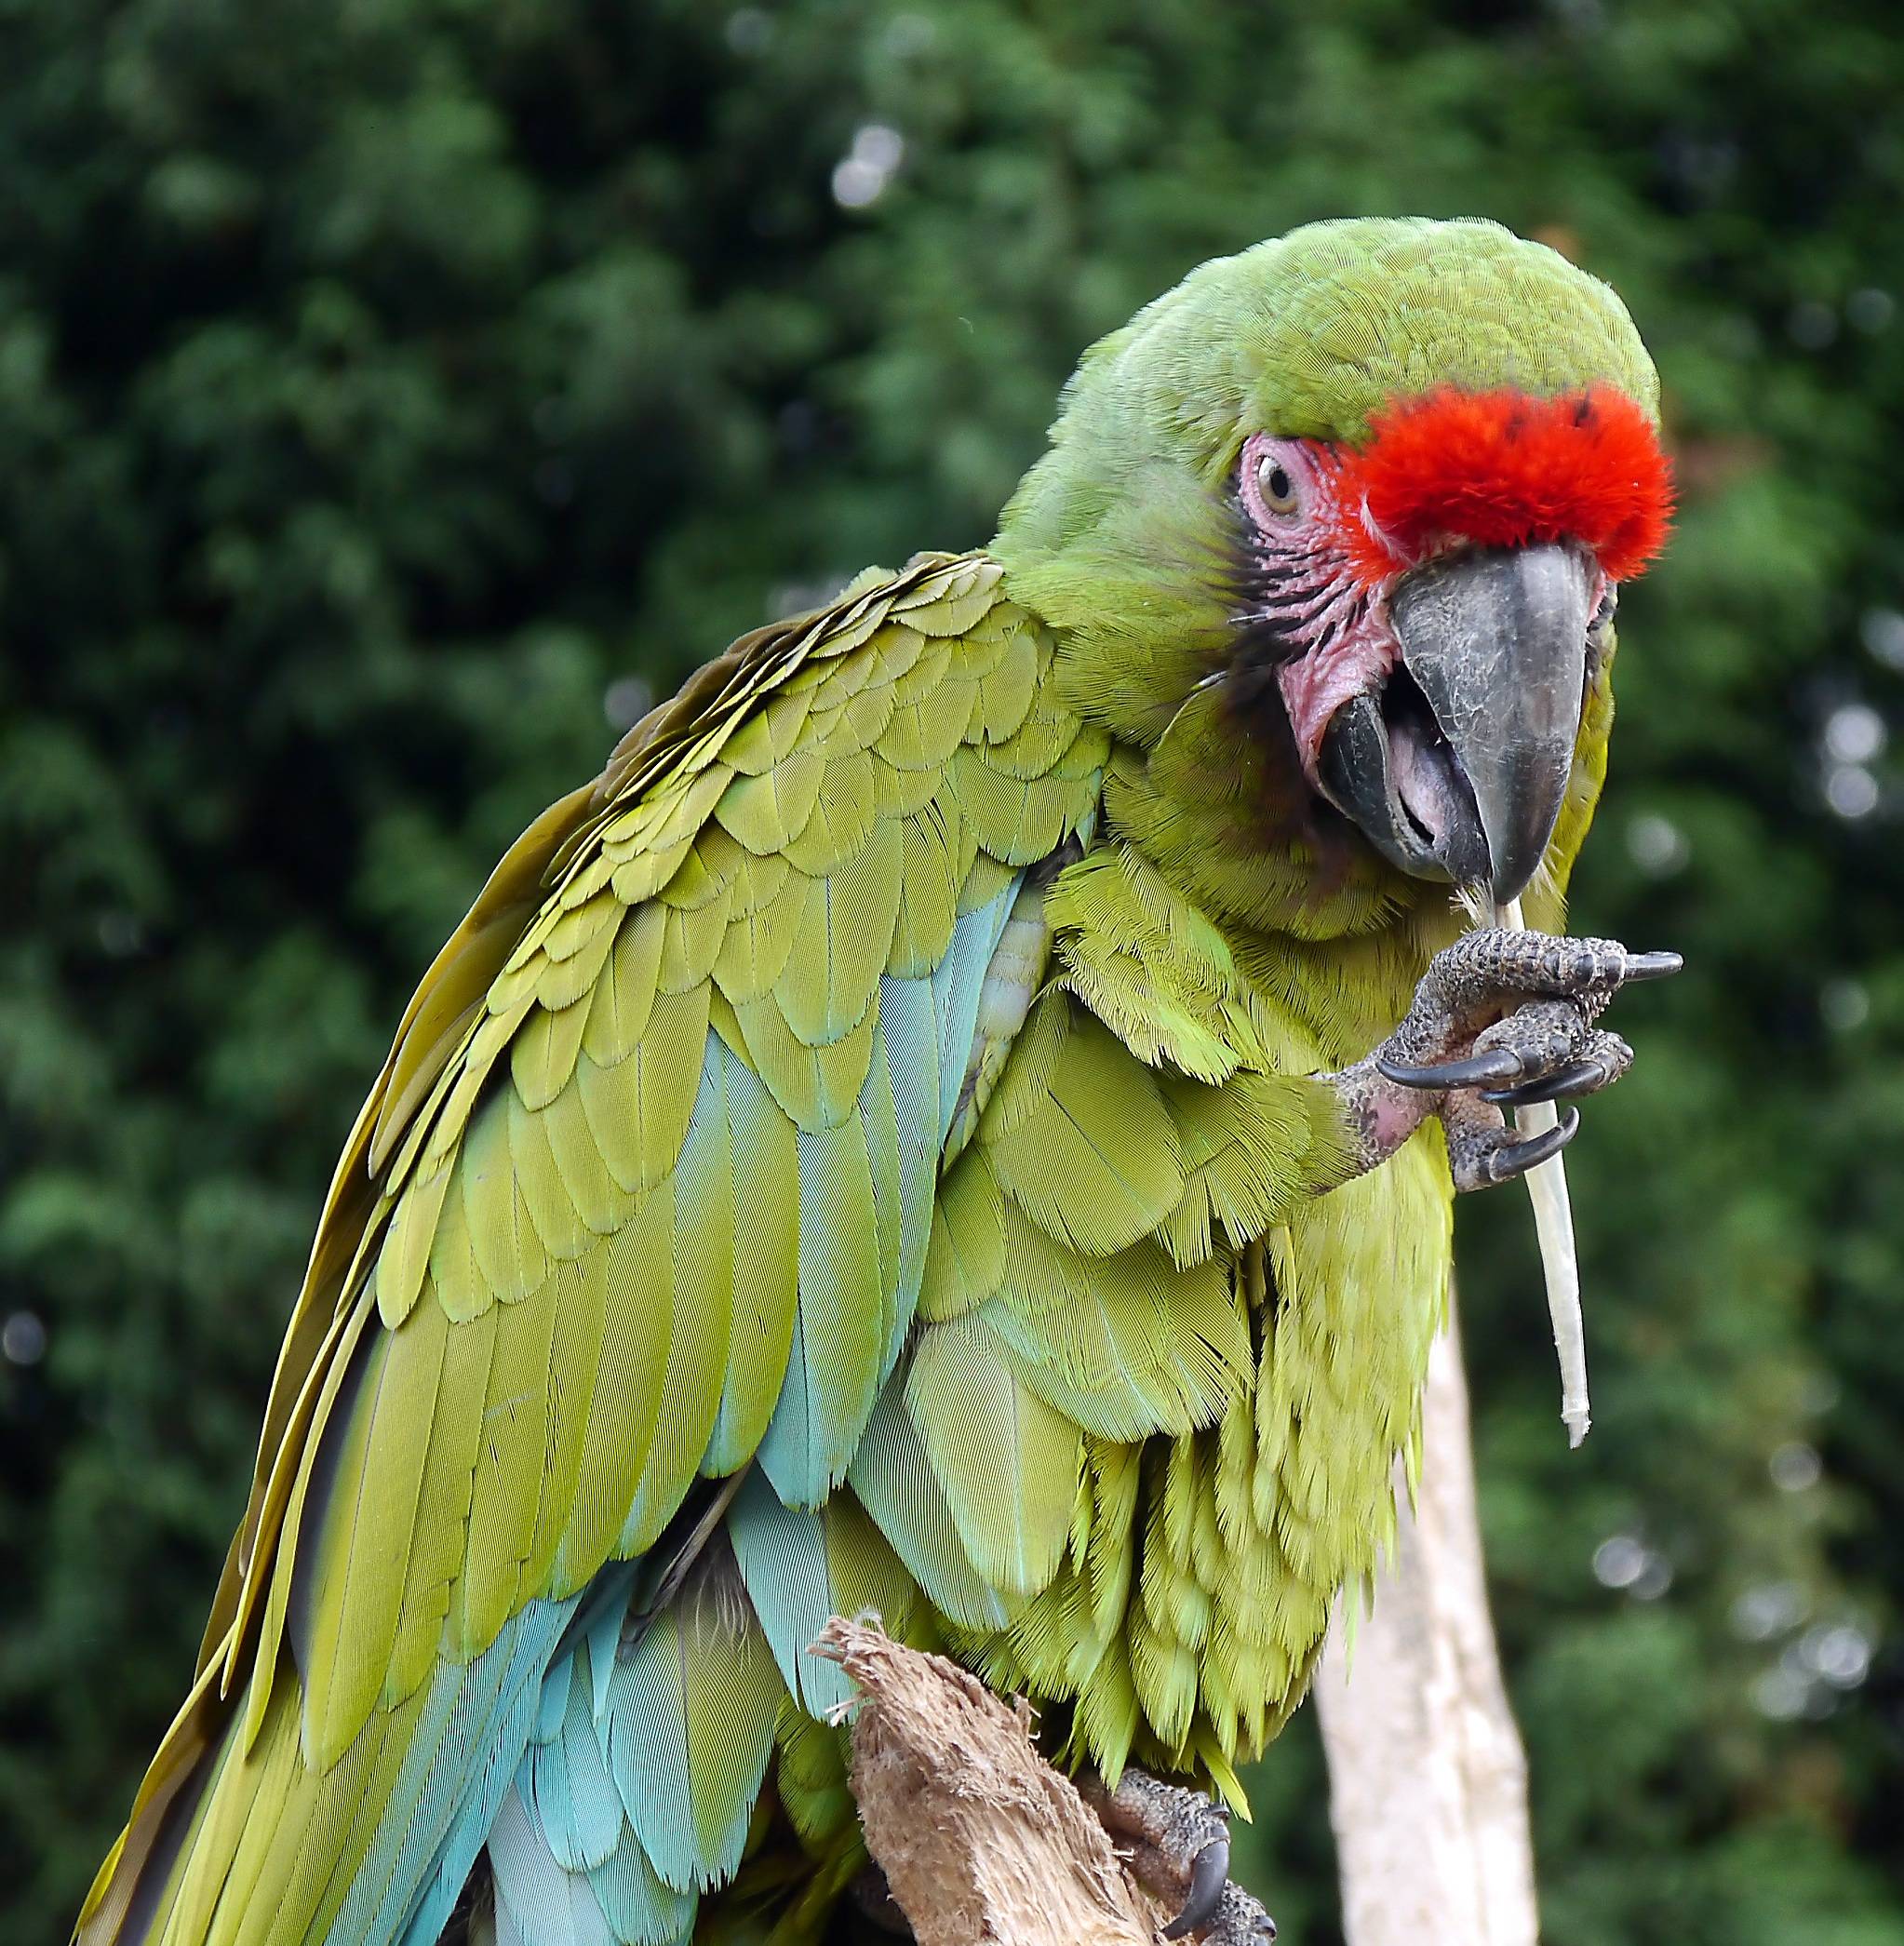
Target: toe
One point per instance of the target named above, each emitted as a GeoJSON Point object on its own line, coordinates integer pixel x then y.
{"type": "Point", "coordinates": [1239, 1921]}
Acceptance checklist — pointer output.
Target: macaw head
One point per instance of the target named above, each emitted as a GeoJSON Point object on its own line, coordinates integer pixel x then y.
{"type": "Point", "coordinates": [1370, 490]}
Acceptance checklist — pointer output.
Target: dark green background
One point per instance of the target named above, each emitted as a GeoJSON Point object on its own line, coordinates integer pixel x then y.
{"type": "Point", "coordinates": [394, 391]}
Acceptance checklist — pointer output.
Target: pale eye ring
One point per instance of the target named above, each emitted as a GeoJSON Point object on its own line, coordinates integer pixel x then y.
{"type": "Point", "coordinates": [1277, 485]}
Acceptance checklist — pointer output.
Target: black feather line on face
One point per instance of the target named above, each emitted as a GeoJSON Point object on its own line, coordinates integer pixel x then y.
{"type": "Point", "coordinates": [1289, 811]}
{"type": "Point", "coordinates": [1276, 592]}
{"type": "Point", "coordinates": [1260, 586]}
{"type": "Point", "coordinates": [1256, 580]}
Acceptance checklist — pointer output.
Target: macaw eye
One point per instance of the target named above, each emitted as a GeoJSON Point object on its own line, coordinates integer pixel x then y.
{"type": "Point", "coordinates": [1276, 487]}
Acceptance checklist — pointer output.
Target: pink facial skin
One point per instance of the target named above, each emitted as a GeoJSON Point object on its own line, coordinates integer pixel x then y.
{"type": "Point", "coordinates": [1339, 623]}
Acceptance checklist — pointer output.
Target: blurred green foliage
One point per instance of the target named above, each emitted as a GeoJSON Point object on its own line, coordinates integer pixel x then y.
{"type": "Point", "coordinates": [395, 393]}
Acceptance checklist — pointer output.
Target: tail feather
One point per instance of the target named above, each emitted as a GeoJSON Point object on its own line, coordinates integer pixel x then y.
{"type": "Point", "coordinates": [496, 1747]}
{"type": "Point", "coordinates": [236, 1848]}
{"type": "Point", "coordinates": [120, 1904]}
{"type": "Point", "coordinates": [609, 1750]}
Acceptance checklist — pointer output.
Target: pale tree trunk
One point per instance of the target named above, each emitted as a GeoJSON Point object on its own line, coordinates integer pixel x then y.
{"type": "Point", "coordinates": [1427, 1780]}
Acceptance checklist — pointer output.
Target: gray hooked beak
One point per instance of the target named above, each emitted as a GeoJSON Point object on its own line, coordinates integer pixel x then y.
{"type": "Point", "coordinates": [1456, 768]}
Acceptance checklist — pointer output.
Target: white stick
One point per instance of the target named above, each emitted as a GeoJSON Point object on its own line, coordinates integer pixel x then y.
{"type": "Point", "coordinates": [1559, 1258]}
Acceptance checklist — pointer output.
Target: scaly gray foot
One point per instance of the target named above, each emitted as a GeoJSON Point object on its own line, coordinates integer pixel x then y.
{"type": "Point", "coordinates": [1178, 1844]}
{"type": "Point", "coordinates": [1501, 1019]}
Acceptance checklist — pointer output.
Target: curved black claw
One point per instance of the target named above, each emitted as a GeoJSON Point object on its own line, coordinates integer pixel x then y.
{"type": "Point", "coordinates": [1653, 966]}
{"type": "Point", "coordinates": [1495, 1066]}
{"type": "Point", "coordinates": [1209, 1875]}
{"type": "Point", "coordinates": [1514, 1158]}
{"type": "Point", "coordinates": [1582, 1078]}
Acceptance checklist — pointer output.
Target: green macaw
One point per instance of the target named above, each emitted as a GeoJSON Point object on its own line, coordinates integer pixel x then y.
{"type": "Point", "coordinates": [959, 1120]}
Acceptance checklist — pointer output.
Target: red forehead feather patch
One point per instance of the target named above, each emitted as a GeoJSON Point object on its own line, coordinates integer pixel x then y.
{"type": "Point", "coordinates": [1498, 468]}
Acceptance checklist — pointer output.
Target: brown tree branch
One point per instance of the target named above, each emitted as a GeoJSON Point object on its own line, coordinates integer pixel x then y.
{"type": "Point", "coordinates": [981, 1842]}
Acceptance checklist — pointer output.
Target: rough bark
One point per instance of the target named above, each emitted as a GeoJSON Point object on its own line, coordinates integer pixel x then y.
{"type": "Point", "coordinates": [1427, 1780]}
{"type": "Point", "coordinates": [981, 1841]}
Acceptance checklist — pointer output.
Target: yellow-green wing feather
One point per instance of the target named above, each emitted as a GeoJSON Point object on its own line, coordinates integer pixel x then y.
{"type": "Point", "coordinates": [642, 1149]}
